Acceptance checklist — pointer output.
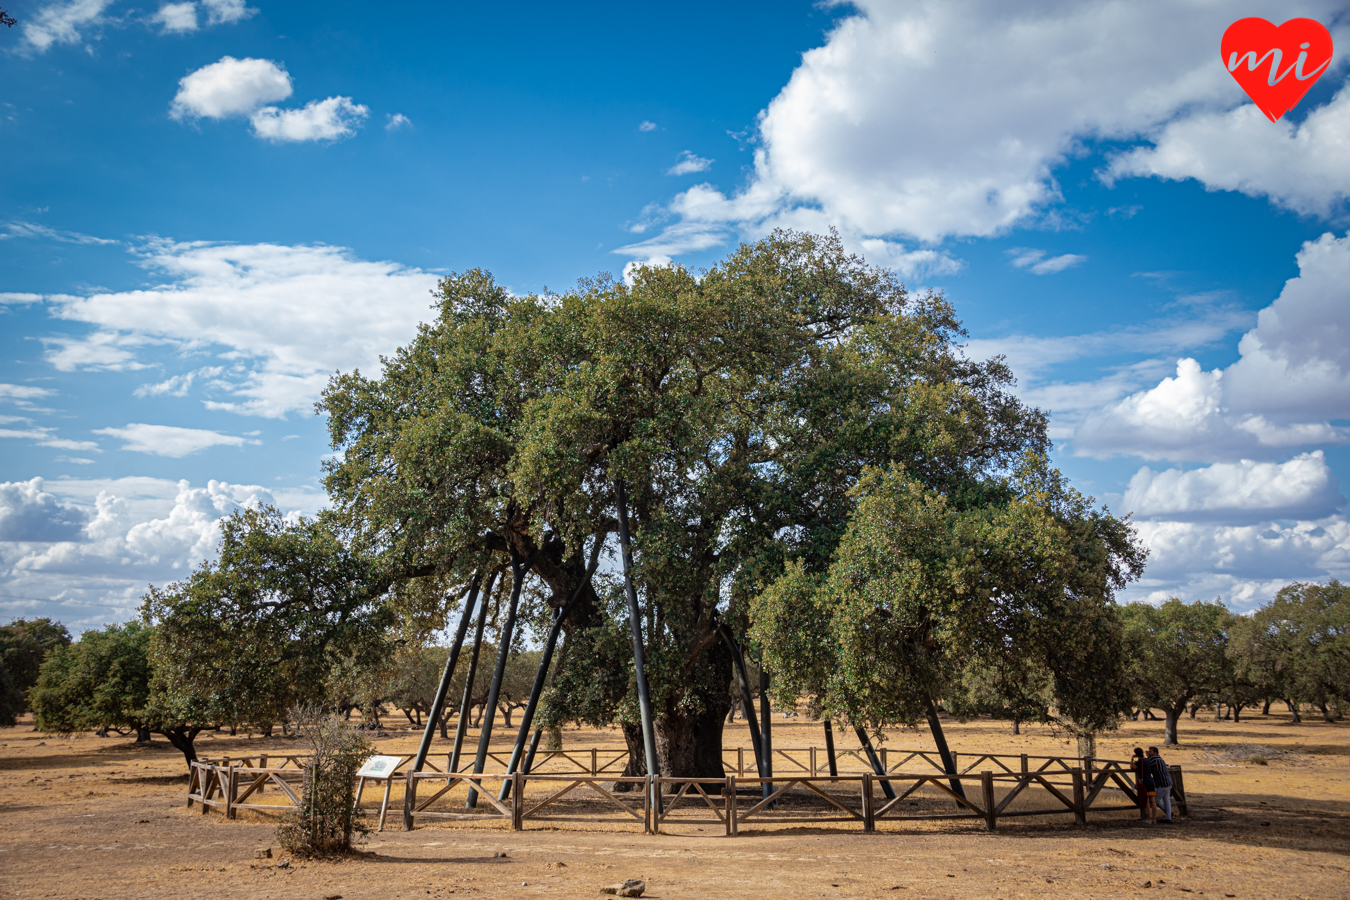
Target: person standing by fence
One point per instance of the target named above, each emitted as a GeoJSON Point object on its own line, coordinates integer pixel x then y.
{"type": "Point", "coordinates": [1162, 778]}
{"type": "Point", "coordinates": [1144, 785]}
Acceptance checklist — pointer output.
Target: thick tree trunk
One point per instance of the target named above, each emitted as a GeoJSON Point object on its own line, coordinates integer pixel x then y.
{"type": "Point", "coordinates": [1265, 707]}
{"type": "Point", "coordinates": [1173, 713]}
{"type": "Point", "coordinates": [1293, 708]}
{"type": "Point", "coordinates": [1017, 725]}
{"type": "Point", "coordinates": [182, 738]}
{"type": "Point", "coordinates": [637, 755]}
{"type": "Point", "coordinates": [142, 735]}
{"type": "Point", "coordinates": [691, 746]}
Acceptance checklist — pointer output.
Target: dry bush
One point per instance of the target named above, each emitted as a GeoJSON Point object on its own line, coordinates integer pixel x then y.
{"type": "Point", "coordinates": [326, 821]}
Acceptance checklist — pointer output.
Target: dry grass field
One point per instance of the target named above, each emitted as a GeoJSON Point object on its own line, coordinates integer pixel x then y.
{"type": "Point", "coordinates": [89, 817]}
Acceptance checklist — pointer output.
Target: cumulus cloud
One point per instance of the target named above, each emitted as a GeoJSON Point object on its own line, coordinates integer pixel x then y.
{"type": "Point", "coordinates": [170, 440]}
{"type": "Point", "coordinates": [86, 555]}
{"type": "Point", "coordinates": [1287, 389]}
{"type": "Point", "coordinates": [1039, 264]}
{"type": "Point", "coordinates": [1300, 167]}
{"type": "Point", "coordinates": [62, 23]}
{"type": "Point", "coordinates": [285, 318]}
{"type": "Point", "coordinates": [644, 125]}
{"type": "Point", "coordinates": [396, 121]}
{"type": "Point", "coordinates": [230, 87]}
{"type": "Point", "coordinates": [226, 12]}
{"type": "Point", "coordinates": [28, 513]}
{"type": "Point", "coordinates": [317, 120]}
{"type": "Point", "coordinates": [924, 120]}
{"type": "Point", "coordinates": [1243, 564]}
{"type": "Point", "coordinates": [687, 163]}
{"type": "Point", "coordinates": [1241, 493]}
{"type": "Point", "coordinates": [176, 18]}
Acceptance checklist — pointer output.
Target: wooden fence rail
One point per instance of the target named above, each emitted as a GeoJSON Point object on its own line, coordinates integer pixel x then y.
{"type": "Point", "coordinates": [1054, 786]}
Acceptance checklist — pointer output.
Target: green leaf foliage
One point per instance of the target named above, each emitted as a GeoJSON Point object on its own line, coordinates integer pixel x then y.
{"type": "Point", "coordinates": [247, 637]}
{"type": "Point", "coordinates": [1008, 576]}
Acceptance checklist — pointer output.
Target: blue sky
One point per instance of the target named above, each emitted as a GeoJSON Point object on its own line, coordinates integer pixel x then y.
{"type": "Point", "coordinates": [209, 206]}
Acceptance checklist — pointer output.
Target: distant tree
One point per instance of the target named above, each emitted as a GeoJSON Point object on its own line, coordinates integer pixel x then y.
{"type": "Point", "coordinates": [7, 20]}
{"type": "Point", "coordinates": [1176, 653]}
{"type": "Point", "coordinates": [1305, 633]}
{"type": "Point", "coordinates": [24, 644]}
{"type": "Point", "coordinates": [246, 638]}
{"type": "Point", "coordinates": [414, 675]}
{"type": "Point", "coordinates": [102, 681]}
{"type": "Point", "coordinates": [12, 700]}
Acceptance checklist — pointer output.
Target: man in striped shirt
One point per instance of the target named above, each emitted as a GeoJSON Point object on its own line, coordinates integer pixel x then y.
{"type": "Point", "coordinates": [1162, 778]}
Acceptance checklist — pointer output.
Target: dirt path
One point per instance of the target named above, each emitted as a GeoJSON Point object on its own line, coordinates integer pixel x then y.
{"type": "Point", "coordinates": [100, 818]}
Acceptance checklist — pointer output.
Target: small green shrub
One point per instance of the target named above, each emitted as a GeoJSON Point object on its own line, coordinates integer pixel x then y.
{"type": "Point", "coordinates": [326, 823]}
{"type": "Point", "coordinates": [1258, 760]}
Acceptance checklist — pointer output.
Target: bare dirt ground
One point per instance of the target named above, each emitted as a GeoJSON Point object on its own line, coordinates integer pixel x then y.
{"type": "Point", "coordinates": [89, 817]}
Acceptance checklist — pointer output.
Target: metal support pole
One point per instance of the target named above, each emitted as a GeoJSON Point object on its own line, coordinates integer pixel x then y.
{"type": "Point", "coordinates": [518, 572]}
{"type": "Point", "coordinates": [635, 625]}
{"type": "Point", "coordinates": [766, 720]}
{"type": "Point", "coordinates": [438, 705]}
{"type": "Point", "coordinates": [466, 704]}
{"type": "Point", "coordinates": [829, 748]}
{"type": "Point", "coordinates": [527, 717]}
{"type": "Point", "coordinates": [747, 700]}
{"type": "Point", "coordinates": [948, 760]}
{"type": "Point", "coordinates": [875, 760]}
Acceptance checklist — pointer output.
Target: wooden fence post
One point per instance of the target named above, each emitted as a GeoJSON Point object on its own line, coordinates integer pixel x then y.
{"type": "Point", "coordinates": [732, 811]}
{"type": "Point", "coordinates": [987, 788]}
{"type": "Point", "coordinates": [1079, 809]}
{"type": "Point", "coordinates": [884, 766]}
{"type": "Point", "coordinates": [594, 765]}
{"type": "Point", "coordinates": [229, 792]}
{"type": "Point", "coordinates": [409, 800]}
{"type": "Point", "coordinates": [262, 764]}
{"type": "Point", "coordinates": [740, 761]}
{"type": "Point", "coordinates": [1024, 764]}
{"type": "Point", "coordinates": [869, 822]}
{"type": "Point", "coordinates": [1179, 791]}
{"type": "Point", "coordinates": [813, 762]}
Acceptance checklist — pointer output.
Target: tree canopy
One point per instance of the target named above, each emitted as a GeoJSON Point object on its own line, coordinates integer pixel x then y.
{"type": "Point", "coordinates": [739, 405]}
{"type": "Point", "coordinates": [1012, 577]}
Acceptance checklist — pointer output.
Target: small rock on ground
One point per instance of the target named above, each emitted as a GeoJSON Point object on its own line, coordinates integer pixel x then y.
{"type": "Point", "coordinates": [630, 888]}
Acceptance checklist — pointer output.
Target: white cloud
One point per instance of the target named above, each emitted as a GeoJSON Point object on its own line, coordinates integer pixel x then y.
{"type": "Point", "coordinates": [644, 125]}
{"type": "Point", "coordinates": [135, 531]}
{"type": "Point", "coordinates": [1026, 257]}
{"type": "Point", "coordinates": [1240, 493]}
{"type": "Point", "coordinates": [19, 299]}
{"type": "Point", "coordinates": [62, 23]}
{"type": "Point", "coordinates": [230, 87]}
{"type": "Point", "coordinates": [1300, 167]}
{"type": "Point", "coordinates": [1289, 386]}
{"type": "Point", "coordinates": [687, 162]}
{"type": "Point", "coordinates": [1185, 418]}
{"type": "Point", "coordinates": [286, 317]}
{"type": "Point", "coordinates": [170, 440]}
{"type": "Point", "coordinates": [31, 230]}
{"type": "Point", "coordinates": [176, 18]}
{"type": "Point", "coordinates": [318, 120]}
{"type": "Point", "coordinates": [102, 350]}
{"type": "Point", "coordinates": [919, 120]}
{"type": "Point", "coordinates": [397, 120]}
{"type": "Point", "coordinates": [42, 434]}
{"type": "Point", "coordinates": [23, 392]}
{"type": "Point", "coordinates": [27, 513]}
{"type": "Point", "coordinates": [226, 12]}
{"type": "Point", "coordinates": [1243, 564]}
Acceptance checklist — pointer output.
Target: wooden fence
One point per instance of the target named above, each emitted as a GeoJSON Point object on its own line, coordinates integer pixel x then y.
{"type": "Point", "coordinates": [915, 788]}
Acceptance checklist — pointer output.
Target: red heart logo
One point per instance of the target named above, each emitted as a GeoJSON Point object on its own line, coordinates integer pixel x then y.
{"type": "Point", "coordinates": [1276, 66]}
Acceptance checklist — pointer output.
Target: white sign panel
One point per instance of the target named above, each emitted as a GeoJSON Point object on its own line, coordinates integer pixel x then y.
{"type": "Point", "coordinates": [379, 767]}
